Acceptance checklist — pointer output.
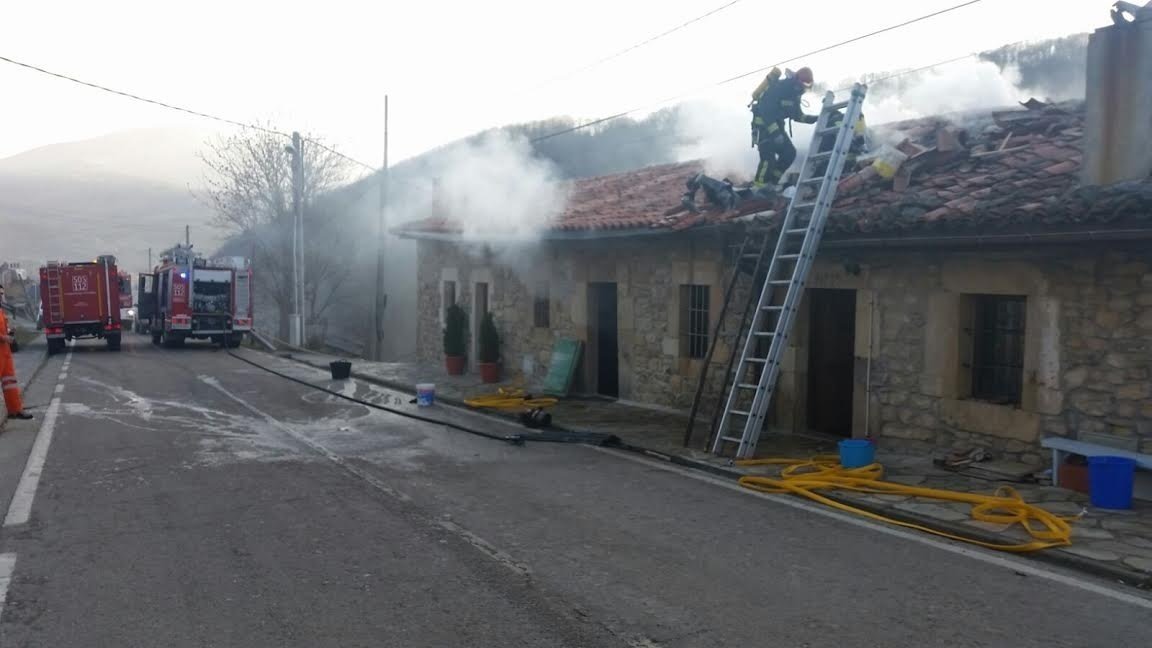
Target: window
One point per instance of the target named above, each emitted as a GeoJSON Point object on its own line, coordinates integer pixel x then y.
{"type": "Point", "coordinates": [541, 307]}
{"type": "Point", "coordinates": [448, 295]}
{"type": "Point", "coordinates": [998, 348]}
{"type": "Point", "coordinates": [694, 320]}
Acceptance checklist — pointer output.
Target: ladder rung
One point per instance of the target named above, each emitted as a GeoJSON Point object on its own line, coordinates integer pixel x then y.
{"type": "Point", "coordinates": [740, 412]}
{"type": "Point", "coordinates": [748, 386]}
{"type": "Point", "coordinates": [825, 131]}
{"type": "Point", "coordinates": [799, 230]}
{"type": "Point", "coordinates": [813, 180]}
{"type": "Point", "coordinates": [780, 282]}
{"type": "Point", "coordinates": [803, 205]}
{"type": "Point", "coordinates": [839, 106]}
{"type": "Point", "coordinates": [772, 308]}
{"type": "Point", "coordinates": [788, 256]}
{"type": "Point", "coordinates": [821, 156]}
{"type": "Point", "coordinates": [764, 333]}
{"type": "Point", "coordinates": [756, 360]}
{"type": "Point", "coordinates": [731, 439]}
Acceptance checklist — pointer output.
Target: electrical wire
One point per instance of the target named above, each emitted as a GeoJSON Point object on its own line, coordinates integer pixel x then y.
{"type": "Point", "coordinates": [631, 48]}
{"type": "Point", "coordinates": [169, 106]}
{"type": "Point", "coordinates": [738, 77]}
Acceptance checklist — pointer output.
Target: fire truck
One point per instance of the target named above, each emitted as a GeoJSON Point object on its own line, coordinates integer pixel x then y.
{"type": "Point", "coordinates": [82, 300]}
{"type": "Point", "coordinates": [188, 297]}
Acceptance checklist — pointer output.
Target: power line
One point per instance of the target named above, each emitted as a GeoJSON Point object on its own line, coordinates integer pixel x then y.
{"type": "Point", "coordinates": [169, 106]}
{"type": "Point", "coordinates": [631, 48]}
{"type": "Point", "coordinates": [819, 50]}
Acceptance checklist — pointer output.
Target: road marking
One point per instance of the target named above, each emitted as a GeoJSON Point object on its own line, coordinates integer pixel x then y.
{"type": "Point", "coordinates": [486, 547]}
{"type": "Point", "coordinates": [21, 507]}
{"type": "Point", "coordinates": [1013, 564]}
{"type": "Point", "coordinates": [59, 389]}
{"type": "Point", "coordinates": [63, 376]}
{"type": "Point", "coordinates": [7, 566]}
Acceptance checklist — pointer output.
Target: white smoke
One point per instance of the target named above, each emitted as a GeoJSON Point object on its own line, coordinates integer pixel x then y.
{"type": "Point", "coordinates": [720, 133]}
{"type": "Point", "coordinates": [494, 187]}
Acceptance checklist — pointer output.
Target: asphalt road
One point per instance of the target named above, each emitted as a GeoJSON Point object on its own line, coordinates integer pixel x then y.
{"type": "Point", "coordinates": [188, 499]}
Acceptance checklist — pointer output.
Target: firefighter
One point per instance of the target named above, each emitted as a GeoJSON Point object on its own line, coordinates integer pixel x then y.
{"type": "Point", "coordinates": [780, 101]}
{"type": "Point", "coordinates": [8, 370]}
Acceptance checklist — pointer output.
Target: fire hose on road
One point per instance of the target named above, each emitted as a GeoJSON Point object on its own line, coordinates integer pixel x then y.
{"type": "Point", "coordinates": [807, 477]}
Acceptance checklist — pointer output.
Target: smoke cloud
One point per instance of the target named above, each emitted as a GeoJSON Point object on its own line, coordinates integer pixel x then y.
{"type": "Point", "coordinates": [720, 132]}
{"type": "Point", "coordinates": [493, 186]}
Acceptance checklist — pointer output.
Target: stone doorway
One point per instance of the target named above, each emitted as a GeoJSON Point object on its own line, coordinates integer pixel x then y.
{"type": "Point", "coordinates": [603, 340]}
{"type": "Point", "coordinates": [831, 360]}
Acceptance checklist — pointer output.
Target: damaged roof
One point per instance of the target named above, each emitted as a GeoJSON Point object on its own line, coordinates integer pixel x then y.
{"type": "Point", "coordinates": [1004, 171]}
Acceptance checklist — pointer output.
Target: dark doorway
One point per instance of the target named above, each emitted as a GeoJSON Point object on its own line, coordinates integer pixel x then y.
{"type": "Point", "coordinates": [603, 339]}
{"type": "Point", "coordinates": [831, 360]}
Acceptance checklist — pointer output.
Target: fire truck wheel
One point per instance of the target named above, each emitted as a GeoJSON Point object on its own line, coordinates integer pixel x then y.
{"type": "Point", "coordinates": [172, 341]}
{"type": "Point", "coordinates": [113, 342]}
{"type": "Point", "coordinates": [235, 340]}
{"type": "Point", "coordinates": [156, 339]}
{"type": "Point", "coordinates": [55, 345]}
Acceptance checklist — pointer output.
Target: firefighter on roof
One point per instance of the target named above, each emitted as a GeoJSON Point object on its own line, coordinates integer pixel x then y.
{"type": "Point", "coordinates": [778, 101]}
{"type": "Point", "coordinates": [8, 370]}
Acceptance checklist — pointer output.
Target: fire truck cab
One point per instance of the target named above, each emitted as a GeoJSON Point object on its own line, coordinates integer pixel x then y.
{"type": "Point", "coordinates": [186, 297]}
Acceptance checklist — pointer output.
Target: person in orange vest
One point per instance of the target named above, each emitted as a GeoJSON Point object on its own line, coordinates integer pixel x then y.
{"type": "Point", "coordinates": [11, 389]}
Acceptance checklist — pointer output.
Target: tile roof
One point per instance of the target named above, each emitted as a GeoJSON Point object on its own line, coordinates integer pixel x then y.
{"type": "Point", "coordinates": [1010, 169]}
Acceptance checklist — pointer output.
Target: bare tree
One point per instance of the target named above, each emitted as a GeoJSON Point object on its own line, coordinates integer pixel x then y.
{"type": "Point", "coordinates": [249, 186]}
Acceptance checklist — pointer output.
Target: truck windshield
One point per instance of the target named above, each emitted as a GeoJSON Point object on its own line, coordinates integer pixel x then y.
{"type": "Point", "coordinates": [211, 297]}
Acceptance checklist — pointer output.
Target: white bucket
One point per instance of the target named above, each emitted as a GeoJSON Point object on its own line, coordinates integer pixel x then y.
{"type": "Point", "coordinates": [425, 394]}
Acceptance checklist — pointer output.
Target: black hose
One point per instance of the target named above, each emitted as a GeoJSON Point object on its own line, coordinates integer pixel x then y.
{"type": "Point", "coordinates": [515, 439]}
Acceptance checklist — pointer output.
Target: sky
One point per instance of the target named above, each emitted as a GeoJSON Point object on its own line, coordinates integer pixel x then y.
{"type": "Point", "coordinates": [450, 68]}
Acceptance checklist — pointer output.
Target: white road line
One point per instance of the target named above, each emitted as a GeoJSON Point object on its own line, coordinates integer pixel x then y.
{"type": "Point", "coordinates": [59, 389]}
{"type": "Point", "coordinates": [7, 566]}
{"type": "Point", "coordinates": [1000, 560]}
{"type": "Point", "coordinates": [63, 376]}
{"type": "Point", "coordinates": [21, 507]}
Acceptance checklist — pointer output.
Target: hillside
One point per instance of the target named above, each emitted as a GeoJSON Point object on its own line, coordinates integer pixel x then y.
{"type": "Point", "coordinates": [120, 193]}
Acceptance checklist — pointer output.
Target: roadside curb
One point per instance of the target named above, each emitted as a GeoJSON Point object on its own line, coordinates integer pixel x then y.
{"type": "Point", "coordinates": [1055, 556]}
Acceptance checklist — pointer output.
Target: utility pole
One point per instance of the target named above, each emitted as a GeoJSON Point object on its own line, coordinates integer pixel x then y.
{"type": "Point", "coordinates": [381, 237]}
{"type": "Point", "coordinates": [187, 237]}
{"type": "Point", "coordinates": [149, 268]}
{"type": "Point", "coordinates": [296, 329]}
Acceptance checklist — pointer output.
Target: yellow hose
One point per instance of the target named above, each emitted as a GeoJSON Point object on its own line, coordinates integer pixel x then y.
{"type": "Point", "coordinates": [512, 398]}
{"type": "Point", "coordinates": [805, 477]}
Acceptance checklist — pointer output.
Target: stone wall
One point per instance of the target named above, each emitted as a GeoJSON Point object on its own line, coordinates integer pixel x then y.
{"type": "Point", "coordinates": [1087, 351]}
{"type": "Point", "coordinates": [648, 272]}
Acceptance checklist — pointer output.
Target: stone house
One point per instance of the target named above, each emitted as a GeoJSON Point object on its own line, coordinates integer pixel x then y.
{"type": "Point", "coordinates": [998, 290]}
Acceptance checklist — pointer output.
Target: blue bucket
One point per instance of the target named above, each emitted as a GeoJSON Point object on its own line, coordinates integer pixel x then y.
{"type": "Point", "coordinates": [855, 453]}
{"type": "Point", "coordinates": [1110, 482]}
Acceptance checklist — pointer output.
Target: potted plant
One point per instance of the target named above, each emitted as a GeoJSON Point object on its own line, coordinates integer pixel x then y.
{"type": "Point", "coordinates": [455, 339]}
{"type": "Point", "coordinates": [488, 352]}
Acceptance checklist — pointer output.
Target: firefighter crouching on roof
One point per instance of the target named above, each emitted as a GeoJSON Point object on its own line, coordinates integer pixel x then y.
{"type": "Point", "coordinates": [777, 101]}
{"type": "Point", "coordinates": [11, 389]}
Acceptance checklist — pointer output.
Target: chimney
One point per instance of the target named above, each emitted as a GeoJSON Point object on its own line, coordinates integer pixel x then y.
{"type": "Point", "coordinates": [1118, 98]}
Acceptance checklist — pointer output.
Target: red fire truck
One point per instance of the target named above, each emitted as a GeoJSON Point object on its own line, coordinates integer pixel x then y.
{"type": "Point", "coordinates": [82, 300]}
{"type": "Point", "coordinates": [186, 297]}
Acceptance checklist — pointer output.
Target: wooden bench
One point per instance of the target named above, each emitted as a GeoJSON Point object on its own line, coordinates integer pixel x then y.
{"type": "Point", "coordinates": [1061, 446]}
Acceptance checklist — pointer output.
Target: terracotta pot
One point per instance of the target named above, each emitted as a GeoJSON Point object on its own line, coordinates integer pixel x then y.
{"type": "Point", "coordinates": [455, 365]}
{"type": "Point", "coordinates": [490, 372]}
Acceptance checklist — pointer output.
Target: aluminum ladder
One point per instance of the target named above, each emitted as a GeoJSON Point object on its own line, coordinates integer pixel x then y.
{"type": "Point", "coordinates": [754, 381]}
{"type": "Point", "coordinates": [55, 300]}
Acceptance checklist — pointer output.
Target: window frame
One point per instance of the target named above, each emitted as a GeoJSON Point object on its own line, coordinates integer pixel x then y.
{"type": "Point", "coordinates": [695, 320]}
{"type": "Point", "coordinates": [998, 330]}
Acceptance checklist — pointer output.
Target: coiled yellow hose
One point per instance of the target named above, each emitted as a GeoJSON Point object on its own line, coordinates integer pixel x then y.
{"type": "Point", "coordinates": [805, 477]}
{"type": "Point", "coordinates": [511, 398]}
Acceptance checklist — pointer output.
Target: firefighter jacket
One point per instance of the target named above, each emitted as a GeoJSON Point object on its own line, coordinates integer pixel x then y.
{"type": "Point", "coordinates": [779, 102]}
